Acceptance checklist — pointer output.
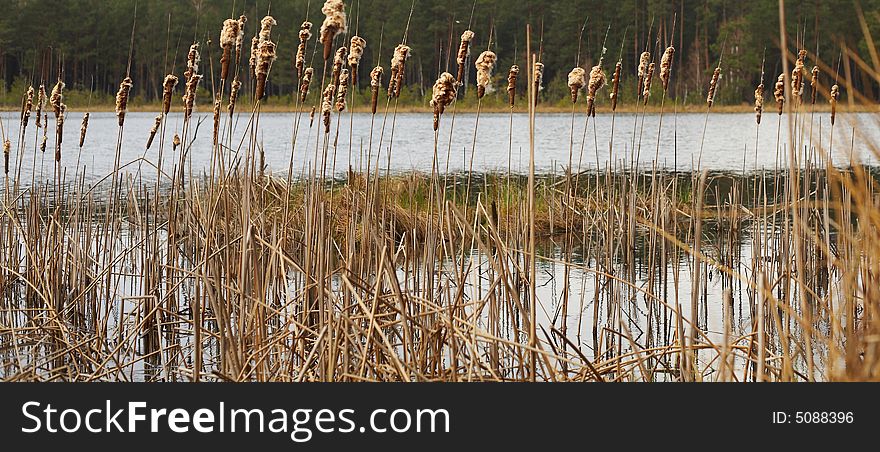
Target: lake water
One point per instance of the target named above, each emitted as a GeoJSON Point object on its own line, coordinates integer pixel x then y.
{"type": "Point", "coordinates": [729, 141]}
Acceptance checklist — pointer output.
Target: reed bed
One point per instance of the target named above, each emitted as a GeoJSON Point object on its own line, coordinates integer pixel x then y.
{"type": "Point", "coordinates": [245, 275]}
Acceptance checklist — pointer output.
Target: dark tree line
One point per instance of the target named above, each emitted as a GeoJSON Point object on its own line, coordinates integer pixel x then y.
{"type": "Point", "coordinates": [90, 39]}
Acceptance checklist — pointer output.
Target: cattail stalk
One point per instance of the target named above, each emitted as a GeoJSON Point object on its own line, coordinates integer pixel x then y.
{"type": "Point", "coordinates": [355, 53]}
{"type": "Point", "coordinates": [577, 79]}
{"type": "Point", "coordinates": [615, 85]}
{"type": "Point", "coordinates": [83, 129]}
{"type": "Point", "coordinates": [512, 76]}
{"type": "Point", "coordinates": [329, 96]}
{"type": "Point", "coordinates": [666, 66]}
{"type": "Point", "coordinates": [649, 77]}
{"type": "Point", "coordinates": [167, 90]}
{"type": "Point", "coordinates": [759, 102]}
{"type": "Point", "coordinates": [7, 147]}
{"type": "Point", "coordinates": [814, 84]}
{"type": "Point", "coordinates": [122, 99]}
{"type": "Point", "coordinates": [797, 76]}
{"type": "Point", "coordinates": [175, 142]}
{"type": "Point", "coordinates": [538, 78]}
{"type": "Point", "coordinates": [597, 81]}
{"type": "Point", "coordinates": [644, 60]}
{"type": "Point", "coordinates": [375, 85]}
{"type": "Point", "coordinates": [485, 64]}
{"type": "Point", "coordinates": [216, 118]}
{"type": "Point", "coordinates": [443, 93]}
{"type": "Point", "coordinates": [334, 24]}
{"type": "Point", "coordinates": [233, 95]}
{"type": "Point", "coordinates": [153, 130]}
{"type": "Point", "coordinates": [342, 91]}
{"type": "Point", "coordinates": [713, 85]}
{"type": "Point", "coordinates": [464, 51]}
{"type": "Point", "coordinates": [56, 100]}
{"type": "Point", "coordinates": [305, 33]}
{"type": "Point", "coordinates": [338, 62]}
{"type": "Point", "coordinates": [306, 81]}
{"type": "Point", "coordinates": [835, 96]}
{"type": "Point", "coordinates": [28, 106]}
{"type": "Point", "coordinates": [192, 80]}
{"type": "Point", "coordinates": [229, 36]}
{"type": "Point", "coordinates": [41, 104]}
{"type": "Point", "coordinates": [779, 93]}
{"type": "Point", "coordinates": [267, 57]}
{"type": "Point", "coordinates": [398, 70]}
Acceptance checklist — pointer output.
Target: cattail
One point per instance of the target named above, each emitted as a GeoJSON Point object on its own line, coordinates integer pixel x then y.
{"type": "Point", "coordinates": [189, 97]}
{"type": "Point", "coordinates": [666, 66]}
{"type": "Point", "coordinates": [175, 142]}
{"type": "Point", "coordinates": [464, 51]}
{"type": "Point", "coordinates": [597, 81]}
{"type": "Point", "coordinates": [233, 95]}
{"type": "Point", "coordinates": [83, 129]}
{"type": "Point", "coordinates": [305, 33]}
{"type": "Point", "coordinates": [338, 63]}
{"type": "Point", "coordinates": [193, 58]}
{"type": "Point", "coordinates": [266, 28]}
{"type": "Point", "coordinates": [312, 117]}
{"type": "Point", "coordinates": [45, 133]}
{"type": "Point", "coordinates": [577, 79]}
{"type": "Point", "coordinates": [156, 124]}
{"type": "Point", "coordinates": [334, 23]}
{"type": "Point", "coordinates": [342, 91]}
{"type": "Point", "coordinates": [759, 102]}
{"type": "Point", "coordinates": [228, 39]}
{"type": "Point", "coordinates": [797, 75]}
{"type": "Point", "coordinates": [779, 93]}
{"type": "Point", "coordinates": [122, 99]}
{"type": "Point", "coordinates": [255, 52]}
{"type": "Point", "coordinates": [615, 85]}
{"type": "Point", "coordinates": [398, 69]}
{"type": "Point", "coordinates": [511, 84]}
{"type": "Point", "coordinates": [649, 77]}
{"type": "Point", "coordinates": [264, 64]}
{"type": "Point", "coordinates": [327, 105]}
{"type": "Point", "coordinates": [814, 84]}
{"type": "Point", "coordinates": [216, 118]}
{"type": "Point", "coordinates": [835, 95]}
{"type": "Point", "coordinates": [375, 85]}
{"type": "Point", "coordinates": [167, 90]}
{"type": "Point", "coordinates": [485, 64]}
{"type": "Point", "coordinates": [444, 92]}
{"type": "Point", "coordinates": [57, 97]}
{"type": "Point", "coordinates": [28, 106]}
{"type": "Point", "coordinates": [41, 104]}
{"type": "Point", "coordinates": [7, 147]}
{"type": "Point", "coordinates": [355, 52]}
{"type": "Point", "coordinates": [713, 85]}
{"type": "Point", "coordinates": [304, 85]}
{"type": "Point", "coordinates": [239, 38]}
{"type": "Point", "coordinates": [644, 59]}
{"type": "Point", "coordinates": [539, 79]}
{"type": "Point", "coordinates": [59, 131]}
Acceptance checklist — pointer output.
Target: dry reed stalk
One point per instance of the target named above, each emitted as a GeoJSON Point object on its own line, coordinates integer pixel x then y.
{"type": "Point", "coordinates": [666, 66]}
{"type": "Point", "coordinates": [7, 147]}
{"type": "Point", "coordinates": [511, 84]}
{"type": "Point", "coordinates": [305, 33]}
{"type": "Point", "coordinates": [464, 51]}
{"type": "Point", "coordinates": [577, 79]}
{"type": "Point", "coordinates": [759, 102]}
{"type": "Point", "coordinates": [375, 85]}
{"type": "Point", "coordinates": [485, 64]}
{"type": "Point", "coordinates": [538, 76]}
{"type": "Point", "coordinates": [814, 84]}
{"type": "Point", "coordinates": [327, 105]}
{"type": "Point", "coordinates": [153, 130]}
{"type": "Point", "coordinates": [28, 106]}
{"type": "Point", "coordinates": [342, 91]}
{"type": "Point", "coordinates": [398, 69]}
{"type": "Point", "coordinates": [264, 64]}
{"type": "Point", "coordinates": [779, 93]}
{"type": "Point", "coordinates": [334, 24]}
{"type": "Point", "coordinates": [84, 127]}
{"type": "Point", "coordinates": [443, 93]}
{"type": "Point", "coordinates": [713, 86]}
{"type": "Point", "coordinates": [122, 99]}
{"type": "Point", "coordinates": [229, 36]}
{"type": "Point", "coordinates": [597, 81]}
{"type": "Point", "coordinates": [233, 95]}
{"type": "Point", "coordinates": [41, 104]}
{"type": "Point", "coordinates": [835, 96]}
{"type": "Point", "coordinates": [797, 76]}
{"type": "Point", "coordinates": [306, 81]}
{"type": "Point", "coordinates": [644, 60]}
{"type": "Point", "coordinates": [355, 53]}
{"type": "Point", "coordinates": [167, 90]}
{"type": "Point", "coordinates": [175, 142]}
{"type": "Point", "coordinates": [649, 77]}
{"type": "Point", "coordinates": [615, 85]}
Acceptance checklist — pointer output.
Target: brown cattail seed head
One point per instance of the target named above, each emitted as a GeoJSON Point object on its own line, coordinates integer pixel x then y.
{"type": "Point", "coordinates": [814, 84]}
{"type": "Point", "coordinates": [153, 130]}
{"type": "Point", "coordinates": [511, 84]}
{"type": "Point", "coordinates": [644, 60]}
{"type": "Point", "coordinates": [649, 77]}
{"type": "Point", "coordinates": [342, 91]}
{"type": "Point", "coordinates": [355, 52]}
{"type": "Point", "coordinates": [485, 64]}
{"type": "Point", "coordinates": [84, 127]}
{"type": "Point", "coordinates": [398, 69]}
{"type": "Point", "coordinates": [59, 131]}
{"type": "Point", "coordinates": [334, 23]}
{"type": "Point", "coordinates": [175, 142]}
{"type": "Point", "coordinates": [577, 79]}
{"type": "Point", "coordinates": [443, 94]}
{"type": "Point", "coordinates": [538, 78]}
{"type": "Point", "coordinates": [759, 102]}
{"type": "Point", "coordinates": [666, 66]}
{"type": "Point", "coordinates": [167, 90]}
{"type": "Point", "coordinates": [713, 85]}
{"type": "Point", "coordinates": [193, 58]}
{"type": "Point", "coordinates": [305, 33]}
{"type": "Point", "coordinates": [327, 105]}
{"type": "Point", "coordinates": [266, 28]}
{"type": "Point", "coordinates": [464, 50]}
{"type": "Point", "coordinates": [189, 96]}
{"type": "Point", "coordinates": [615, 85]}
{"type": "Point", "coordinates": [28, 106]}
{"type": "Point", "coordinates": [57, 98]}
{"type": "Point", "coordinates": [255, 52]}
{"type": "Point", "coordinates": [216, 118]}
{"type": "Point", "coordinates": [779, 93]}
{"type": "Point", "coordinates": [41, 104]}
{"type": "Point", "coordinates": [375, 85]}
{"type": "Point", "coordinates": [597, 81]}
{"type": "Point", "coordinates": [233, 95]}
{"type": "Point", "coordinates": [338, 63]}
{"type": "Point", "coordinates": [7, 147]}
{"type": "Point", "coordinates": [122, 99]}
{"type": "Point", "coordinates": [835, 96]}
{"type": "Point", "coordinates": [264, 64]}
{"type": "Point", "coordinates": [228, 38]}
{"type": "Point", "coordinates": [239, 39]}
{"type": "Point", "coordinates": [304, 85]}
{"type": "Point", "coordinates": [797, 75]}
